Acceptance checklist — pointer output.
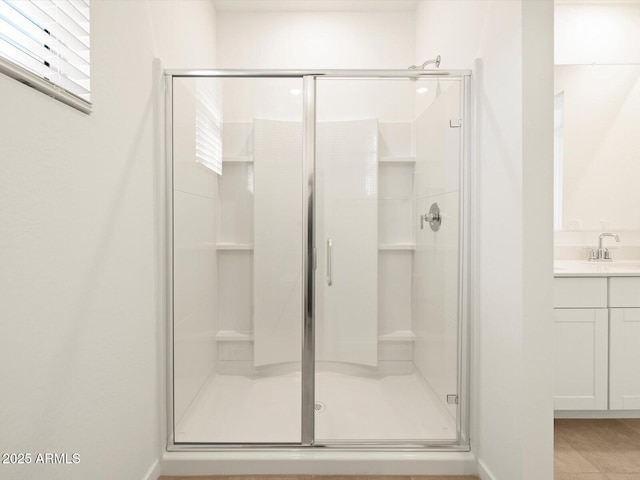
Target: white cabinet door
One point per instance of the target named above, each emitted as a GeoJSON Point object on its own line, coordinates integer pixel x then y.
{"type": "Point", "coordinates": [581, 359]}
{"type": "Point", "coordinates": [624, 366]}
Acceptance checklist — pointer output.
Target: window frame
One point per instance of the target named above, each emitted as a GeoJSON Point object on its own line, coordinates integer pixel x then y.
{"type": "Point", "coordinates": [50, 88]}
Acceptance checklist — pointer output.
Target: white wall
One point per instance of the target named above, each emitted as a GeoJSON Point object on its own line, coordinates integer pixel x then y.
{"type": "Point", "coordinates": [512, 164]}
{"type": "Point", "coordinates": [79, 247]}
{"type": "Point", "coordinates": [310, 40]}
{"type": "Point", "coordinates": [597, 32]}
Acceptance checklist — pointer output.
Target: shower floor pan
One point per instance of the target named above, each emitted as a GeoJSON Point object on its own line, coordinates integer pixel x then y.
{"type": "Point", "coordinates": [239, 409]}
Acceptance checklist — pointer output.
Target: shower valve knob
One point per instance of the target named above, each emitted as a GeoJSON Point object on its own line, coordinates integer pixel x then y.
{"type": "Point", "coordinates": [433, 218]}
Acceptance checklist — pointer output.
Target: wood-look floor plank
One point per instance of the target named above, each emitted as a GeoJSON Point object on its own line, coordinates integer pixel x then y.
{"type": "Point", "coordinates": [327, 477]}
{"type": "Point", "coordinates": [445, 477]}
{"type": "Point", "coordinates": [580, 476]}
{"type": "Point", "coordinates": [623, 476]}
{"type": "Point", "coordinates": [610, 446]}
{"type": "Point", "coordinates": [568, 460]}
{"type": "Point", "coordinates": [361, 477]}
{"type": "Point", "coordinates": [633, 423]}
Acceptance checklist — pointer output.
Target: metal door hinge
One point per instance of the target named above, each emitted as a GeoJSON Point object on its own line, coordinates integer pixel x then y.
{"type": "Point", "coordinates": [452, 399]}
{"type": "Point", "coordinates": [455, 123]}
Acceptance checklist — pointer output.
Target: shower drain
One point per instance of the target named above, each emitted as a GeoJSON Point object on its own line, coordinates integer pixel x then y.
{"type": "Point", "coordinates": [319, 406]}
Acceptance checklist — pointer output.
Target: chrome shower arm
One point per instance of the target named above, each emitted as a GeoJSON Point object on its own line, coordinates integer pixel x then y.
{"type": "Point", "coordinates": [435, 62]}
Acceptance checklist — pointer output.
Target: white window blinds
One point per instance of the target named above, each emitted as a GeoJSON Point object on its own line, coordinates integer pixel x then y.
{"type": "Point", "coordinates": [45, 43]}
{"type": "Point", "coordinates": [209, 123]}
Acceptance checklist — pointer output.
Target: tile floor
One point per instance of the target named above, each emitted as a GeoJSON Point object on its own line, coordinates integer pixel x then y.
{"type": "Point", "coordinates": [597, 449]}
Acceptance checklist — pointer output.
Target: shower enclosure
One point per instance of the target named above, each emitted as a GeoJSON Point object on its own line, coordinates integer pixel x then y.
{"type": "Point", "coordinates": [318, 259]}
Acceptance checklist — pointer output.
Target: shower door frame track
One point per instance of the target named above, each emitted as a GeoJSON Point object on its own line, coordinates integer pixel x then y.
{"type": "Point", "coordinates": [309, 77]}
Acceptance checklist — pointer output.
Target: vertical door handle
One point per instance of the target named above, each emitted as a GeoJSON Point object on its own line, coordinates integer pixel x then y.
{"type": "Point", "coordinates": [329, 262]}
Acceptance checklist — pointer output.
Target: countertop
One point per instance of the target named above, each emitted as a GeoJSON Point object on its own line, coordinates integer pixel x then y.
{"type": "Point", "coordinates": [580, 268]}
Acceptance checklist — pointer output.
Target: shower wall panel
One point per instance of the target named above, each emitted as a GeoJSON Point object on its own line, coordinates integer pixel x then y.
{"type": "Point", "coordinates": [277, 291]}
{"type": "Point", "coordinates": [347, 212]}
{"type": "Point", "coordinates": [235, 249]}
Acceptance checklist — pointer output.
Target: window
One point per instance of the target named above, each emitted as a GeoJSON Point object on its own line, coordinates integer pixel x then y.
{"type": "Point", "coordinates": [558, 158]}
{"type": "Point", "coordinates": [209, 123]}
{"type": "Point", "coordinates": [45, 44]}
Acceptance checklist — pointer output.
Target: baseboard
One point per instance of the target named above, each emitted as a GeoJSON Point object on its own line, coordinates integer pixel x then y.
{"type": "Point", "coordinates": [596, 414]}
{"type": "Point", "coordinates": [484, 472]}
{"type": "Point", "coordinates": [154, 471]}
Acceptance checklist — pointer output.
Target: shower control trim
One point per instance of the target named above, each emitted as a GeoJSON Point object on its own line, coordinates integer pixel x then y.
{"type": "Point", "coordinates": [433, 218]}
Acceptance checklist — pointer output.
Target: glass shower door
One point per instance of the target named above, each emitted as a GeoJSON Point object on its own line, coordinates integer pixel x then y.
{"type": "Point", "coordinates": [387, 285]}
{"type": "Point", "coordinates": [317, 260]}
{"type": "Point", "coordinates": [237, 260]}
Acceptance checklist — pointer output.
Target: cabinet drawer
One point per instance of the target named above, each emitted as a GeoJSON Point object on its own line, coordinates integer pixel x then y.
{"type": "Point", "coordinates": [580, 292]}
{"type": "Point", "coordinates": [624, 292]}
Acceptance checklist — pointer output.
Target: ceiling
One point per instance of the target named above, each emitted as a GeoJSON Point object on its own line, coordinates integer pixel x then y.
{"type": "Point", "coordinates": [316, 5]}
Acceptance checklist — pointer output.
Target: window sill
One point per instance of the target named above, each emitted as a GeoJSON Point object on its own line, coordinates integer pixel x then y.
{"type": "Point", "coordinates": [26, 77]}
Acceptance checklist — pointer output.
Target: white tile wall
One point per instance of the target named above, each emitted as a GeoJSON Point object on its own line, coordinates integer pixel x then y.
{"type": "Point", "coordinates": [396, 221]}
{"type": "Point", "coordinates": [347, 329]}
{"type": "Point", "coordinates": [395, 180]}
{"type": "Point", "coordinates": [277, 258]}
{"type": "Point", "coordinates": [394, 290]}
{"type": "Point", "coordinates": [235, 305]}
{"type": "Point", "coordinates": [395, 139]}
{"type": "Point", "coordinates": [194, 258]}
{"type": "Point", "coordinates": [395, 227]}
{"type": "Point", "coordinates": [436, 144]}
{"type": "Point", "coordinates": [194, 354]}
{"type": "Point", "coordinates": [236, 203]}
{"type": "Point", "coordinates": [237, 139]}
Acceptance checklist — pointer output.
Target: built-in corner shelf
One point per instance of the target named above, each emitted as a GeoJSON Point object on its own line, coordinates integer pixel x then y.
{"type": "Point", "coordinates": [405, 160]}
{"type": "Point", "coordinates": [237, 159]}
{"type": "Point", "coordinates": [397, 246]}
{"type": "Point", "coordinates": [233, 336]}
{"type": "Point", "coordinates": [397, 336]}
{"type": "Point", "coordinates": [234, 246]}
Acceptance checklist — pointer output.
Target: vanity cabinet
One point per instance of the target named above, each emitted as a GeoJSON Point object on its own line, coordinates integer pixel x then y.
{"type": "Point", "coordinates": [581, 334]}
{"type": "Point", "coordinates": [624, 343]}
{"type": "Point", "coordinates": [597, 359]}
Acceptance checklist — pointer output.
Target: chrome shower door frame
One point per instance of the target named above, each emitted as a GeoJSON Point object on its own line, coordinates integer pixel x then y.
{"type": "Point", "coordinates": [309, 78]}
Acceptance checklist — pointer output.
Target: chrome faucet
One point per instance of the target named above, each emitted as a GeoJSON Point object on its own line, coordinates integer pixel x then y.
{"type": "Point", "coordinates": [602, 254]}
